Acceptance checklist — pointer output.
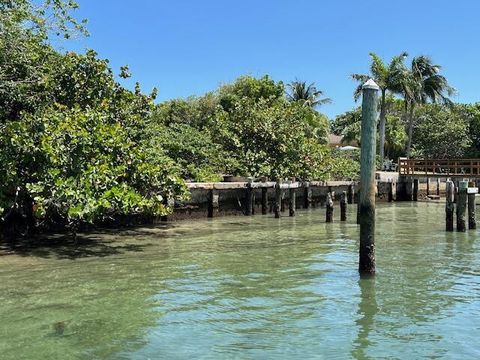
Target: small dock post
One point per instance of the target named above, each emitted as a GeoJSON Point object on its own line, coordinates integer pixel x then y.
{"type": "Point", "coordinates": [343, 206]}
{"type": "Point", "coordinates": [292, 203]}
{"type": "Point", "coordinates": [249, 199]}
{"type": "Point", "coordinates": [438, 186]}
{"type": "Point", "coordinates": [329, 214]}
{"type": "Point", "coordinates": [415, 189]}
{"type": "Point", "coordinates": [307, 196]}
{"type": "Point", "coordinates": [455, 191]}
{"type": "Point", "coordinates": [449, 206]}
{"type": "Point", "coordinates": [390, 191]}
{"type": "Point", "coordinates": [367, 177]}
{"type": "Point", "coordinates": [264, 200]}
{"type": "Point", "coordinates": [472, 191]}
{"type": "Point", "coordinates": [462, 206]}
{"type": "Point", "coordinates": [213, 203]}
{"type": "Point", "coordinates": [428, 186]}
{"type": "Point", "coordinates": [278, 200]}
{"type": "Point", "coordinates": [351, 194]}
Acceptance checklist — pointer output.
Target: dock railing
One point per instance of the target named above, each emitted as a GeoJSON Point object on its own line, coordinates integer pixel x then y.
{"type": "Point", "coordinates": [439, 167]}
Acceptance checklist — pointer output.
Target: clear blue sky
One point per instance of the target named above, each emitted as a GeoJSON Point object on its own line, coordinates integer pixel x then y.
{"type": "Point", "coordinates": [188, 47]}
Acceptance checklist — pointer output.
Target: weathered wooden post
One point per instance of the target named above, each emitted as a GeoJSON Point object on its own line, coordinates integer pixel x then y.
{"type": "Point", "coordinates": [307, 196]}
{"type": "Point", "coordinates": [428, 186]}
{"type": "Point", "coordinates": [438, 186]}
{"type": "Point", "coordinates": [472, 191]}
{"type": "Point", "coordinates": [390, 191]}
{"type": "Point", "coordinates": [264, 200]}
{"type": "Point", "coordinates": [455, 191]}
{"type": "Point", "coordinates": [462, 206]}
{"type": "Point", "coordinates": [213, 203]}
{"type": "Point", "coordinates": [343, 206]}
{"type": "Point", "coordinates": [278, 200]}
{"type": "Point", "coordinates": [329, 214]}
{"type": "Point", "coordinates": [415, 189]}
{"type": "Point", "coordinates": [249, 200]}
{"type": "Point", "coordinates": [367, 178]}
{"type": "Point", "coordinates": [351, 194]}
{"type": "Point", "coordinates": [292, 203]}
{"type": "Point", "coordinates": [449, 205]}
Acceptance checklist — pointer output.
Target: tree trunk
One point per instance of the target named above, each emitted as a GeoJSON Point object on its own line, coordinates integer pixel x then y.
{"type": "Point", "coordinates": [383, 113]}
{"type": "Point", "coordinates": [410, 129]}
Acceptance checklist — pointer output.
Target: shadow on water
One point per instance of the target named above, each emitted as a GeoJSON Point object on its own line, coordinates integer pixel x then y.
{"type": "Point", "coordinates": [102, 243]}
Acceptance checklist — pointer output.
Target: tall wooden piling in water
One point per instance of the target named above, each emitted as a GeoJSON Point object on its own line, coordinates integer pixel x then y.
{"type": "Point", "coordinates": [343, 206]}
{"type": "Point", "coordinates": [449, 205]}
{"type": "Point", "coordinates": [438, 186]}
{"type": "Point", "coordinates": [329, 213]}
{"type": "Point", "coordinates": [462, 206]}
{"type": "Point", "coordinates": [367, 177]}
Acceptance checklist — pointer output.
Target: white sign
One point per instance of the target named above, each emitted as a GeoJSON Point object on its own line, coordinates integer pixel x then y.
{"type": "Point", "coordinates": [472, 190]}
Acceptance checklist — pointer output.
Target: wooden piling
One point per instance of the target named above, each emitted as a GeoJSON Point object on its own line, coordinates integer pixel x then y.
{"type": "Point", "coordinates": [343, 206]}
{"type": "Point", "coordinates": [249, 200]}
{"type": "Point", "coordinates": [415, 189]}
{"type": "Point", "coordinates": [264, 201]}
{"type": "Point", "coordinates": [351, 194]}
{"type": "Point", "coordinates": [292, 202]}
{"type": "Point", "coordinates": [367, 177]}
{"type": "Point", "coordinates": [282, 201]}
{"type": "Point", "coordinates": [213, 203]}
{"type": "Point", "coordinates": [455, 191]}
{"type": "Point", "coordinates": [438, 186]}
{"type": "Point", "coordinates": [278, 200]}
{"type": "Point", "coordinates": [449, 205]}
{"type": "Point", "coordinates": [390, 191]}
{"type": "Point", "coordinates": [472, 222]}
{"type": "Point", "coordinates": [462, 206]}
{"type": "Point", "coordinates": [428, 186]}
{"type": "Point", "coordinates": [329, 213]}
{"type": "Point", "coordinates": [307, 196]}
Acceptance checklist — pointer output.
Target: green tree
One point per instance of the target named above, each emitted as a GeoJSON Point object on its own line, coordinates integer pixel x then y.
{"type": "Point", "coordinates": [307, 94]}
{"type": "Point", "coordinates": [387, 77]}
{"type": "Point", "coordinates": [441, 133]}
{"type": "Point", "coordinates": [420, 84]}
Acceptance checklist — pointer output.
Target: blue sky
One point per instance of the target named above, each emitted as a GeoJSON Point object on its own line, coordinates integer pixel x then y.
{"type": "Point", "coordinates": [188, 47]}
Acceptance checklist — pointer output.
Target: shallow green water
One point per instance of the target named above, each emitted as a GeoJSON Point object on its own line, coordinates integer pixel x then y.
{"type": "Point", "coordinates": [249, 288]}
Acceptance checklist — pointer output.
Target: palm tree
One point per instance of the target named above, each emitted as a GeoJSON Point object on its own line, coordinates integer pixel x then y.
{"type": "Point", "coordinates": [420, 84]}
{"type": "Point", "coordinates": [387, 77]}
{"type": "Point", "coordinates": [309, 95]}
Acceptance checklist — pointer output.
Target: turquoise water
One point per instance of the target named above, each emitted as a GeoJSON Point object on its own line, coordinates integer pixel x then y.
{"type": "Point", "coordinates": [248, 288]}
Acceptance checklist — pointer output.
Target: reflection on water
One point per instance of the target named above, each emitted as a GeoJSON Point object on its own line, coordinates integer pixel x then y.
{"type": "Point", "coordinates": [248, 288]}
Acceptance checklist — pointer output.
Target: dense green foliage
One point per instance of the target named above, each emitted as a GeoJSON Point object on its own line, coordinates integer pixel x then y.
{"type": "Point", "coordinates": [439, 131]}
{"type": "Point", "coordinates": [77, 147]}
{"type": "Point", "coordinates": [247, 128]}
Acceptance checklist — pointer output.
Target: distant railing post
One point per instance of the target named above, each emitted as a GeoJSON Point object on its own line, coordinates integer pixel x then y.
{"type": "Point", "coordinates": [367, 177]}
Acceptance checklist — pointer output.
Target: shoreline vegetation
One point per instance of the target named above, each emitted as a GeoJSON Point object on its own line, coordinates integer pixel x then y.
{"type": "Point", "coordinates": [77, 148]}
